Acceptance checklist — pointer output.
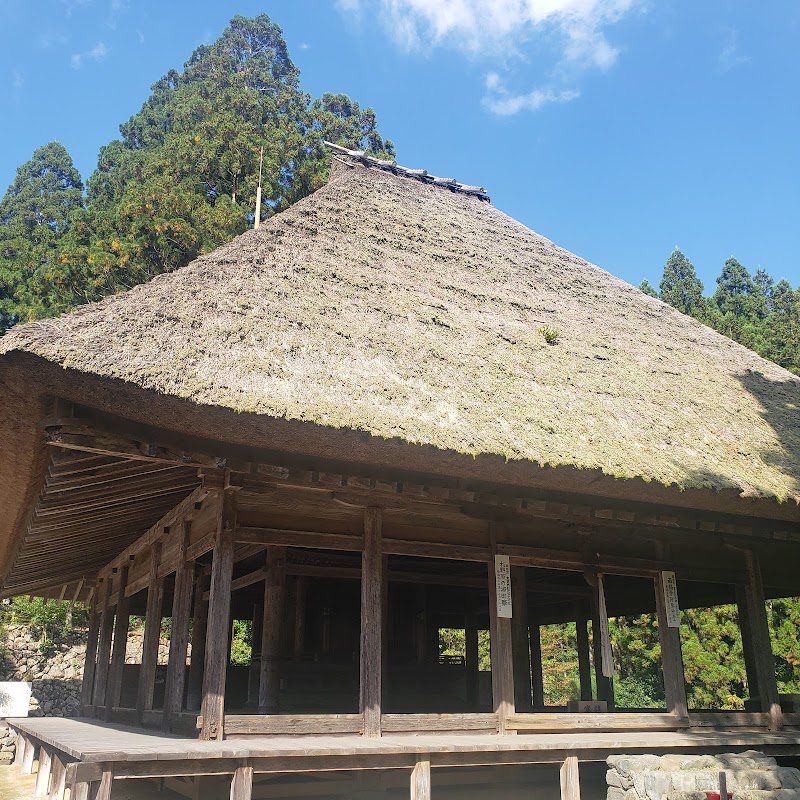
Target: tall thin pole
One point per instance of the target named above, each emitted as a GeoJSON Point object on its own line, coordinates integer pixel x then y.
{"type": "Point", "coordinates": [257, 221]}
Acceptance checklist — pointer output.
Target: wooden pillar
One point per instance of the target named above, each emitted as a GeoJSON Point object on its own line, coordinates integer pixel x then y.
{"type": "Point", "coordinates": [123, 612]}
{"type": "Point", "coordinates": [152, 633]}
{"type": "Point", "coordinates": [43, 773]}
{"type": "Point", "coordinates": [421, 779]}
{"type": "Point", "coordinates": [199, 625]}
{"type": "Point", "coordinates": [570, 779]}
{"type": "Point", "coordinates": [371, 619]}
{"type": "Point", "coordinates": [242, 784]}
{"type": "Point", "coordinates": [605, 688]}
{"type": "Point", "coordinates": [274, 600]}
{"type": "Point", "coordinates": [90, 659]}
{"type": "Point", "coordinates": [105, 785]}
{"type": "Point", "coordinates": [19, 752]}
{"type": "Point", "coordinates": [582, 644]}
{"type": "Point", "coordinates": [219, 609]}
{"type": "Point", "coordinates": [28, 757]}
{"type": "Point", "coordinates": [671, 657]}
{"type": "Point", "coordinates": [750, 658]}
{"type": "Point", "coordinates": [299, 640]}
{"type": "Point", "coordinates": [473, 671]}
{"type": "Point", "coordinates": [761, 642]}
{"type": "Point", "coordinates": [521, 646]}
{"type": "Point", "coordinates": [501, 648]}
{"type": "Point", "coordinates": [103, 650]}
{"type": "Point", "coordinates": [254, 670]}
{"type": "Point", "coordinates": [58, 778]}
{"type": "Point", "coordinates": [421, 623]}
{"type": "Point", "coordinates": [537, 669]}
{"type": "Point", "coordinates": [179, 637]}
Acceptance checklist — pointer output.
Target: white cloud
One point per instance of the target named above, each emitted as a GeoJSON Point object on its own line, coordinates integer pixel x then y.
{"type": "Point", "coordinates": [50, 39]}
{"type": "Point", "coordinates": [729, 56]}
{"type": "Point", "coordinates": [115, 10]}
{"type": "Point", "coordinates": [72, 5]}
{"type": "Point", "coordinates": [97, 53]}
{"type": "Point", "coordinates": [504, 103]}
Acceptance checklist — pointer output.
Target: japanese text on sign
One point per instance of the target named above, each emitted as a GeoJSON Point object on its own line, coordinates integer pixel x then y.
{"type": "Point", "coordinates": [671, 606]}
{"type": "Point", "coordinates": [502, 571]}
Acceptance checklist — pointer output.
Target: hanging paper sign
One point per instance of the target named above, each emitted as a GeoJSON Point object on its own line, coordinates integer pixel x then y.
{"type": "Point", "coordinates": [671, 605]}
{"type": "Point", "coordinates": [15, 697]}
{"type": "Point", "coordinates": [607, 657]}
{"type": "Point", "coordinates": [502, 573]}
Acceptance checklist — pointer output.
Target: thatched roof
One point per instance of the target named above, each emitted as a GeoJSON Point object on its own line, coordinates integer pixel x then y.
{"type": "Point", "coordinates": [413, 312]}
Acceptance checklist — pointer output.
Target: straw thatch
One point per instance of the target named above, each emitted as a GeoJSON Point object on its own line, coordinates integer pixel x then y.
{"type": "Point", "coordinates": [406, 310]}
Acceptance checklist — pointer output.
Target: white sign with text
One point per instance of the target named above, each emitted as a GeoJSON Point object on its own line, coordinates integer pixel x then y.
{"type": "Point", "coordinates": [502, 572]}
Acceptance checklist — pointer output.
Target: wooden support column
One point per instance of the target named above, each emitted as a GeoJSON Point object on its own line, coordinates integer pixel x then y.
{"type": "Point", "coordinates": [473, 671]}
{"type": "Point", "coordinates": [19, 752]}
{"type": "Point", "coordinates": [254, 670]}
{"type": "Point", "coordinates": [605, 687]}
{"type": "Point", "coordinates": [750, 658]}
{"type": "Point", "coordinates": [584, 659]}
{"type": "Point", "coordinates": [28, 757]}
{"type": "Point", "coordinates": [105, 785]}
{"type": "Point", "coordinates": [121, 625]}
{"type": "Point", "coordinates": [58, 778]}
{"type": "Point", "coordinates": [523, 649]}
{"type": "Point", "coordinates": [537, 670]}
{"type": "Point", "coordinates": [219, 609]}
{"type": "Point", "coordinates": [103, 650]}
{"type": "Point", "coordinates": [90, 660]}
{"type": "Point", "coordinates": [761, 641]}
{"type": "Point", "coordinates": [421, 779]}
{"type": "Point", "coordinates": [671, 657]}
{"type": "Point", "coordinates": [43, 773]}
{"type": "Point", "coordinates": [271, 633]}
{"type": "Point", "coordinates": [242, 784]}
{"type": "Point", "coordinates": [179, 636]}
{"type": "Point", "coordinates": [152, 633]}
{"type": "Point", "coordinates": [299, 640]}
{"type": "Point", "coordinates": [421, 623]}
{"type": "Point", "coordinates": [570, 779]}
{"type": "Point", "coordinates": [371, 619]}
{"type": "Point", "coordinates": [199, 626]}
{"type": "Point", "coordinates": [501, 649]}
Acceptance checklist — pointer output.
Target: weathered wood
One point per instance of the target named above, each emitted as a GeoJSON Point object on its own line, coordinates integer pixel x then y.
{"type": "Point", "coordinates": [569, 778]}
{"type": "Point", "coordinates": [501, 650]}
{"type": "Point", "coordinates": [522, 648]}
{"type": "Point", "coordinates": [179, 636]}
{"type": "Point", "coordinates": [618, 721]}
{"type": "Point", "coordinates": [761, 642]}
{"type": "Point", "coordinates": [537, 669]}
{"type": "Point", "coordinates": [219, 605]}
{"type": "Point", "coordinates": [272, 630]}
{"type": "Point", "coordinates": [103, 650]}
{"type": "Point", "coordinates": [750, 658]}
{"type": "Point", "coordinates": [473, 659]}
{"type": "Point", "coordinates": [299, 637]}
{"type": "Point", "coordinates": [416, 723]}
{"type": "Point", "coordinates": [254, 670]}
{"type": "Point", "coordinates": [283, 724]}
{"type": "Point", "coordinates": [421, 779]}
{"type": "Point", "coordinates": [307, 539]}
{"type": "Point", "coordinates": [29, 746]}
{"type": "Point", "coordinates": [604, 685]}
{"type": "Point", "coordinates": [371, 620]}
{"type": "Point", "coordinates": [90, 659]}
{"type": "Point", "coordinates": [242, 784]}
{"type": "Point", "coordinates": [194, 694]}
{"type": "Point", "coordinates": [105, 786]}
{"type": "Point", "coordinates": [121, 625]}
{"type": "Point", "coordinates": [582, 644]}
{"type": "Point", "coordinates": [43, 772]}
{"type": "Point", "coordinates": [152, 632]}
{"type": "Point", "coordinates": [58, 777]}
{"type": "Point", "coordinates": [671, 656]}
{"type": "Point", "coordinates": [19, 753]}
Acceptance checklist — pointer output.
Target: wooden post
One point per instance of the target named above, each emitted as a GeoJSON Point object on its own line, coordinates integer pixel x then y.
{"type": "Point", "coordinates": [199, 626]}
{"type": "Point", "coordinates": [19, 752]}
{"type": "Point", "coordinates": [219, 609]}
{"type": "Point", "coordinates": [473, 671]}
{"type": "Point", "coordinates": [254, 670]}
{"type": "Point", "coordinates": [671, 657]}
{"type": "Point", "coordinates": [421, 779]}
{"type": "Point", "coordinates": [105, 785]}
{"type": "Point", "coordinates": [242, 784]}
{"type": "Point", "coordinates": [28, 757]}
{"type": "Point", "coordinates": [371, 619]}
{"type": "Point", "coordinates": [750, 658]}
{"type": "Point", "coordinates": [103, 650]}
{"type": "Point", "coordinates": [761, 642]}
{"type": "Point", "coordinates": [123, 612]}
{"type": "Point", "coordinates": [584, 660]}
{"type": "Point", "coordinates": [299, 640]}
{"type": "Point", "coordinates": [421, 623]}
{"type": "Point", "coordinates": [522, 647]}
{"type": "Point", "coordinates": [58, 778]}
{"type": "Point", "coordinates": [179, 637]}
{"type": "Point", "coordinates": [271, 633]}
{"type": "Point", "coordinates": [90, 659]}
{"type": "Point", "coordinates": [43, 773]}
{"type": "Point", "coordinates": [537, 669]}
{"type": "Point", "coordinates": [605, 688]}
{"type": "Point", "coordinates": [570, 779]}
{"type": "Point", "coordinates": [501, 649]}
{"type": "Point", "coordinates": [152, 633]}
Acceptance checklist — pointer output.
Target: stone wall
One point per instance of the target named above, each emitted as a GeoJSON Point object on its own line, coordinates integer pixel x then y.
{"type": "Point", "coordinates": [750, 776]}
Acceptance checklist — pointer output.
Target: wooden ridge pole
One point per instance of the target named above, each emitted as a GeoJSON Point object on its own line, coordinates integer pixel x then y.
{"type": "Point", "coordinates": [371, 621]}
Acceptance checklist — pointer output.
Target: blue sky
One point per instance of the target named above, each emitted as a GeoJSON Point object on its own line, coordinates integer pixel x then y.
{"type": "Point", "coordinates": [618, 128]}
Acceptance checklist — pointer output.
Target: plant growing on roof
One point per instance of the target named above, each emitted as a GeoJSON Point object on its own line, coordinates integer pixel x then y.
{"type": "Point", "coordinates": [549, 334]}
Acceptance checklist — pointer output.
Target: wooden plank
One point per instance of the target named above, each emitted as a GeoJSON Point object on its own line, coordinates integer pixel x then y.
{"type": "Point", "coordinates": [618, 721]}
{"type": "Point", "coordinates": [569, 779]}
{"type": "Point", "coordinates": [90, 659]}
{"type": "Point", "coordinates": [272, 629]}
{"type": "Point", "coordinates": [291, 724]}
{"type": "Point", "coordinates": [194, 695]}
{"type": "Point", "coordinates": [728, 719]}
{"type": "Point", "coordinates": [103, 650]}
{"type": "Point", "coordinates": [501, 648]}
{"type": "Point", "coordinates": [523, 650]}
{"type": "Point", "coordinates": [421, 779]}
{"type": "Point", "coordinates": [242, 784]}
{"type": "Point", "coordinates": [120, 642]}
{"type": "Point", "coordinates": [152, 632]}
{"type": "Point", "coordinates": [219, 605]}
{"type": "Point", "coordinates": [671, 656]}
{"type": "Point", "coordinates": [371, 621]}
{"type": "Point", "coordinates": [179, 636]}
{"type": "Point", "coordinates": [42, 788]}
{"type": "Point", "coordinates": [420, 723]}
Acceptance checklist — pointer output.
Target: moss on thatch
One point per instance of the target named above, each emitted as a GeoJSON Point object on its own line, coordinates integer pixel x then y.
{"type": "Point", "coordinates": [406, 310]}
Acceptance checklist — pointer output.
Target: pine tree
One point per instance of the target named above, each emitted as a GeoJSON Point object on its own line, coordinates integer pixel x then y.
{"type": "Point", "coordinates": [680, 286]}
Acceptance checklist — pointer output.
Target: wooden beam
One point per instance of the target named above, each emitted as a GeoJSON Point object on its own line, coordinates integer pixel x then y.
{"type": "Point", "coordinates": [582, 643]}
{"type": "Point", "coordinates": [152, 633]}
{"type": "Point", "coordinates": [308, 539]}
{"type": "Point", "coordinates": [501, 647]}
{"type": "Point", "coordinates": [671, 656]}
{"type": "Point", "coordinates": [750, 658]}
{"type": "Point", "coordinates": [421, 779]}
{"type": "Point", "coordinates": [194, 695]}
{"type": "Point", "coordinates": [242, 784]}
{"type": "Point", "coordinates": [179, 636]}
{"type": "Point", "coordinates": [522, 649]}
{"type": "Point", "coordinates": [762, 643]}
{"type": "Point", "coordinates": [569, 778]}
{"type": "Point", "coordinates": [90, 659]}
{"type": "Point", "coordinates": [103, 650]}
{"type": "Point", "coordinates": [219, 605]}
{"type": "Point", "coordinates": [294, 724]}
{"type": "Point", "coordinates": [122, 615]}
{"type": "Point", "coordinates": [371, 620]}
{"type": "Point", "coordinates": [272, 630]}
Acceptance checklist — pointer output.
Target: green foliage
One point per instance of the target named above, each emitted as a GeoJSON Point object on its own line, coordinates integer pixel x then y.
{"type": "Point", "coordinates": [52, 618]}
{"type": "Point", "coordinates": [241, 651]}
{"type": "Point", "coordinates": [648, 288]}
{"type": "Point", "coordinates": [550, 335]}
{"type": "Point", "coordinates": [680, 286]}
